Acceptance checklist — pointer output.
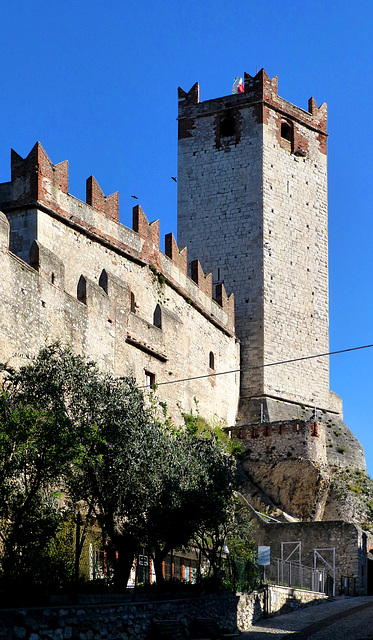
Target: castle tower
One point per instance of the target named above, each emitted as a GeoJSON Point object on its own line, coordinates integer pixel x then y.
{"type": "Point", "coordinates": [252, 206]}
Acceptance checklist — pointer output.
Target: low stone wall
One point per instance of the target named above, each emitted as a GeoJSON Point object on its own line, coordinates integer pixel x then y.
{"type": "Point", "coordinates": [275, 600]}
{"type": "Point", "coordinates": [132, 620]}
{"type": "Point", "coordinates": [250, 609]}
{"type": "Point", "coordinates": [125, 621]}
{"type": "Point", "coordinates": [285, 599]}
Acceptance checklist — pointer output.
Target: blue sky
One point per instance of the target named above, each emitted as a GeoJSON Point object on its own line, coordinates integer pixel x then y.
{"type": "Point", "coordinates": [96, 83]}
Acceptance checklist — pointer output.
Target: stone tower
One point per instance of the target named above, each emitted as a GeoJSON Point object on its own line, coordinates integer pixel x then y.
{"type": "Point", "coordinates": [252, 206]}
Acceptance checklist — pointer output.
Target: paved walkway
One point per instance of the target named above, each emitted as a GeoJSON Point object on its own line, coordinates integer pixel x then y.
{"type": "Point", "coordinates": [347, 619]}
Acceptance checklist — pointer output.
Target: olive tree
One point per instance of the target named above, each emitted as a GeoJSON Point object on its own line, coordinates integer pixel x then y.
{"type": "Point", "coordinates": [67, 425]}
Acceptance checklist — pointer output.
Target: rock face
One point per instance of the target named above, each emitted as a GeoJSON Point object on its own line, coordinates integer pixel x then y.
{"type": "Point", "coordinates": [305, 463]}
{"type": "Point", "coordinates": [298, 487]}
{"type": "Point", "coordinates": [350, 498]}
{"type": "Point", "coordinates": [306, 491]}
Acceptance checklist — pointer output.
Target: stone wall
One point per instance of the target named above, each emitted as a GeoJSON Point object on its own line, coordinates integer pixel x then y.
{"type": "Point", "coordinates": [348, 540]}
{"type": "Point", "coordinates": [117, 620]}
{"type": "Point", "coordinates": [295, 251]}
{"type": "Point", "coordinates": [273, 441]}
{"type": "Point", "coordinates": [324, 440]}
{"type": "Point", "coordinates": [73, 273]}
{"type": "Point", "coordinates": [220, 210]}
{"type": "Point", "coordinates": [273, 601]}
{"type": "Point", "coordinates": [132, 620]}
{"type": "Point", "coordinates": [252, 205]}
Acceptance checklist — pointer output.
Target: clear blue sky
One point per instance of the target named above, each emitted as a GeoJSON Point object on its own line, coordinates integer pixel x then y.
{"type": "Point", "coordinates": [96, 83]}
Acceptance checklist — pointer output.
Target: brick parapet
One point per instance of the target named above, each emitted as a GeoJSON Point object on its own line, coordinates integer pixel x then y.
{"type": "Point", "coordinates": [202, 280]}
{"type": "Point", "coordinates": [38, 184]}
{"type": "Point", "coordinates": [176, 255]}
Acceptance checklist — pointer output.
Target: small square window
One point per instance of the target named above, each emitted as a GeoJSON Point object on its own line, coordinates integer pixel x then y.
{"type": "Point", "coordinates": [227, 126]}
{"type": "Point", "coordinates": [149, 379]}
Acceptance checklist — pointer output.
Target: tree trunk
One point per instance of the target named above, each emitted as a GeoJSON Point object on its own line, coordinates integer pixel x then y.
{"type": "Point", "coordinates": [125, 548]}
{"type": "Point", "coordinates": [159, 578]}
{"type": "Point", "coordinates": [158, 557]}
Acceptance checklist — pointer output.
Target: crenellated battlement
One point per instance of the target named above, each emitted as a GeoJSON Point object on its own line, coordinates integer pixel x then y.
{"type": "Point", "coordinates": [132, 317]}
{"type": "Point", "coordinates": [261, 95]}
{"type": "Point", "coordinates": [38, 184]}
{"type": "Point", "coordinates": [283, 440]}
{"type": "Point", "coordinates": [176, 255]}
{"type": "Point", "coordinates": [107, 205]}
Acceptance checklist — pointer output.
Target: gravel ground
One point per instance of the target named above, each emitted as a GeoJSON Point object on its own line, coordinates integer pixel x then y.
{"type": "Point", "coordinates": [346, 619]}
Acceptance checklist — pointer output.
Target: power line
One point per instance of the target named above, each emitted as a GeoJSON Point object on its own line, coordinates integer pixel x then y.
{"type": "Point", "coordinates": [260, 366]}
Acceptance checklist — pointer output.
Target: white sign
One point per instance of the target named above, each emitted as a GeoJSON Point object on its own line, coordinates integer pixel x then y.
{"type": "Point", "coordinates": [264, 556]}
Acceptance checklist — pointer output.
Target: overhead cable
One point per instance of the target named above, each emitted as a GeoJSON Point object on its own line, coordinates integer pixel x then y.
{"type": "Point", "coordinates": [260, 366]}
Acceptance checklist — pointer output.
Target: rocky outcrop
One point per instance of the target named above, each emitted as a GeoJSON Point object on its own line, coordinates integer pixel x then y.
{"type": "Point", "coordinates": [297, 487]}
{"type": "Point", "coordinates": [302, 490]}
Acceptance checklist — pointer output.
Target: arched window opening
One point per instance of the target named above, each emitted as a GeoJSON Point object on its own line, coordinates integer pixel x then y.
{"type": "Point", "coordinates": [81, 292]}
{"type": "Point", "coordinates": [133, 302]}
{"type": "Point", "coordinates": [103, 280]}
{"type": "Point", "coordinates": [53, 278]}
{"type": "Point", "coordinates": [211, 360]}
{"type": "Point", "coordinates": [157, 317]}
{"type": "Point", "coordinates": [227, 127]}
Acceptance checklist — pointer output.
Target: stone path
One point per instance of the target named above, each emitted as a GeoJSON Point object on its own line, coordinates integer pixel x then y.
{"type": "Point", "coordinates": [347, 619]}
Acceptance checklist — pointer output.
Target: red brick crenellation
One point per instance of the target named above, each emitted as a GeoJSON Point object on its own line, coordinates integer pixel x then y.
{"type": "Point", "coordinates": [95, 197]}
{"type": "Point", "coordinates": [178, 256]}
{"type": "Point", "coordinates": [149, 231]}
{"type": "Point", "coordinates": [261, 95]}
{"type": "Point", "coordinates": [203, 281]}
{"type": "Point", "coordinates": [35, 172]}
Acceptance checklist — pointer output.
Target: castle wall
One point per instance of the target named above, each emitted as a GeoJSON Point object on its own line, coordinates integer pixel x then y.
{"type": "Point", "coordinates": [277, 436]}
{"type": "Point", "coordinates": [295, 263]}
{"type": "Point", "coordinates": [220, 213]}
{"type": "Point", "coordinates": [252, 205]}
{"type": "Point", "coordinates": [95, 284]}
{"type": "Point", "coordinates": [252, 197]}
{"type": "Point", "coordinates": [284, 440]}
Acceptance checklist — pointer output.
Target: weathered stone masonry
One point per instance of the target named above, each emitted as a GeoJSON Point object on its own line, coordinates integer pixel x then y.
{"type": "Point", "coordinates": [73, 272]}
{"type": "Point", "coordinates": [252, 205]}
{"type": "Point", "coordinates": [252, 216]}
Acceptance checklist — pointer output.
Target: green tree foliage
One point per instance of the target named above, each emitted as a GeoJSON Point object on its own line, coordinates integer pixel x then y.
{"type": "Point", "coordinates": [67, 425]}
{"type": "Point", "coordinates": [195, 491]}
{"type": "Point", "coordinates": [241, 561]}
{"type": "Point", "coordinates": [34, 452]}
{"type": "Point", "coordinates": [105, 447]}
